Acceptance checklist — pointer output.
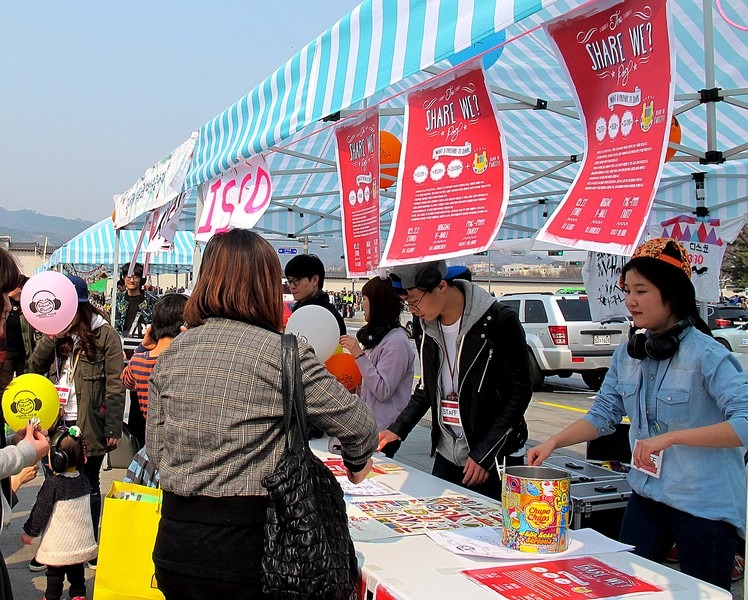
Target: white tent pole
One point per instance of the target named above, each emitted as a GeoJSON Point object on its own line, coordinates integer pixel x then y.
{"type": "Point", "coordinates": [115, 276]}
{"type": "Point", "coordinates": [197, 254]}
{"type": "Point", "coordinates": [711, 107]}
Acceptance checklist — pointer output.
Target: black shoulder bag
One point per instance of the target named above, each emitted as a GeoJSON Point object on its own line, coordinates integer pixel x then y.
{"type": "Point", "coordinates": [308, 552]}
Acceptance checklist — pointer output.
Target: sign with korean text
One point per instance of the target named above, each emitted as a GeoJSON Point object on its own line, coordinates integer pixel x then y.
{"type": "Point", "coordinates": [572, 579]}
{"type": "Point", "coordinates": [619, 60]}
{"type": "Point", "coordinates": [161, 183]}
{"type": "Point", "coordinates": [454, 182]}
{"type": "Point", "coordinates": [357, 149]}
{"type": "Point", "coordinates": [166, 225]}
{"type": "Point", "coordinates": [235, 200]}
{"type": "Point", "coordinates": [602, 280]}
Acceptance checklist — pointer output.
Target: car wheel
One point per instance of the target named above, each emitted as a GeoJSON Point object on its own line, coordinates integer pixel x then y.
{"type": "Point", "coordinates": [536, 375]}
{"type": "Point", "coordinates": [409, 329]}
{"type": "Point", "coordinates": [594, 379]}
{"type": "Point", "coordinates": [725, 343]}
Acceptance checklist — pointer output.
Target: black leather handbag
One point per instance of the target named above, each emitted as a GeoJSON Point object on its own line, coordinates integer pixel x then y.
{"type": "Point", "coordinates": [308, 548]}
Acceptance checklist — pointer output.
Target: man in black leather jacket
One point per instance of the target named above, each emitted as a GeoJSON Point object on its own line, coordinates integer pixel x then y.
{"type": "Point", "coordinates": [475, 377]}
{"type": "Point", "coordinates": [305, 274]}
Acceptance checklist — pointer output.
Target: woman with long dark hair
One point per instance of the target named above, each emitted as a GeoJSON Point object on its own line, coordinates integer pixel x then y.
{"type": "Point", "coordinates": [687, 399]}
{"type": "Point", "coordinates": [387, 359]}
{"type": "Point", "coordinates": [215, 422]}
{"type": "Point", "coordinates": [85, 361]}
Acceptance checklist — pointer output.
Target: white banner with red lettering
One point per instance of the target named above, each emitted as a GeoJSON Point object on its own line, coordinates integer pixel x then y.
{"type": "Point", "coordinates": [161, 183]}
{"type": "Point", "coordinates": [602, 275]}
{"type": "Point", "coordinates": [619, 61]}
{"type": "Point", "coordinates": [166, 225]}
{"type": "Point", "coordinates": [705, 240]}
{"type": "Point", "coordinates": [236, 200]}
{"type": "Point", "coordinates": [454, 181]}
{"type": "Point", "coordinates": [357, 151]}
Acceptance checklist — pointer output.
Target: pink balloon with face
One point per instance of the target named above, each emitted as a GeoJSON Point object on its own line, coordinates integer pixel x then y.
{"type": "Point", "coordinates": [49, 302]}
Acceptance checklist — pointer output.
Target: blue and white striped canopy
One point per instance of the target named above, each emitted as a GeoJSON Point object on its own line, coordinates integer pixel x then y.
{"type": "Point", "coordinates": [95, 246]}
{"type": "Point", "coordinates": [385, 47]}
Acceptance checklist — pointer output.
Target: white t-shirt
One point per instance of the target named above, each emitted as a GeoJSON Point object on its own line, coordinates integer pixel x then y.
{"type": "Point", "coordinates": [449, 381]}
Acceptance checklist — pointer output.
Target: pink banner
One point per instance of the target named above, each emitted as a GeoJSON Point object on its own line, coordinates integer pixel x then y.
{"type": "Point", "coordinates": [619, 61]}
{"type": "Point", "coordinates": [357, 146]}
{"type": "Point", "coordinates": [454, 181]}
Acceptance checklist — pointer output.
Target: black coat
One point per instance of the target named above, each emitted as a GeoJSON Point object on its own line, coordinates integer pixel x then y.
{"type": "Point", "coordinates": [495, 388]}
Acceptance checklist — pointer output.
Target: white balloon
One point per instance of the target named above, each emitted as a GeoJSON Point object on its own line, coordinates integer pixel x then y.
{"type": "Point", "coordinates": [317, 327]}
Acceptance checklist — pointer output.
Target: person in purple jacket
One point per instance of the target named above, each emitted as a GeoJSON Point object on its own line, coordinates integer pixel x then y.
{"type": "Point", "coordinates": [387, 359]}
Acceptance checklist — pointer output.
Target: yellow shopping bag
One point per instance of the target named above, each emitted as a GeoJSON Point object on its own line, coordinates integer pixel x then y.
{"type": "Point", "coordinates": [128, 532]}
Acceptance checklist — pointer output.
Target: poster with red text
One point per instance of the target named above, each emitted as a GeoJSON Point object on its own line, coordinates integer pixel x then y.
{"type": "Point", "coordinates": [454, 181]}
{"type": "Point", "coordinates": [357, 148]}
{"type": "Point", "coordinates": [571, 579]}
{"type": "Point", "coordinates": [619, 61]}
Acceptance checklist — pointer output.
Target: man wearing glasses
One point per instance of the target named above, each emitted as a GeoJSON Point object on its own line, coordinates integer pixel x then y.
{"type": "Point", "coordinates": [134, 305]}
{"type": "Point", "coordinates": [475, 377]}
{"type": "Point", "coordinates": [305, 274]}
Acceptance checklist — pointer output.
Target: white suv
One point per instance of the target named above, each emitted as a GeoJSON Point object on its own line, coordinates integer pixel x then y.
{"type": "Point", "coordinates": [563, 339]}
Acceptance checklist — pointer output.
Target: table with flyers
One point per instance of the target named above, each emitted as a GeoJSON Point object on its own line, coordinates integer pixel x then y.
{"type": "Point", "coordinates": [391, 529]}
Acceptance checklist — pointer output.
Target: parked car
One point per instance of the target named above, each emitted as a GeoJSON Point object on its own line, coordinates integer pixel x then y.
{"type": "Point", "coordinates": [563, 339]}
{"type": "Point", "coordinates": [720, 316]}
{"type": "Point", "coordinates": [735, 339]}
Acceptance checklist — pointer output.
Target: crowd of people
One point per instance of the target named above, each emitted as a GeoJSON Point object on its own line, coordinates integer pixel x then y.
{"type": "Point", "coordinates": [207, 384]}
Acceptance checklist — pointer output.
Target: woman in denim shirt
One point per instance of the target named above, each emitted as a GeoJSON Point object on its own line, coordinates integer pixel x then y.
{"type": "Point", "coordinates": [687, 399]}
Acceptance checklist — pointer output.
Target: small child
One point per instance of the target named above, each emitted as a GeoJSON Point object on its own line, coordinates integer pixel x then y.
{"type": "Point", "coordinates": [62, 516]}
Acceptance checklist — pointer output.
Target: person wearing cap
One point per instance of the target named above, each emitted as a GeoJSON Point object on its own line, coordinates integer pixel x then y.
{"type": "Point", "coordinates": [475, 377]}
{"type": "Point", "coordinates": [85, 363]}
{"type": "Point", "coordinates": [135, 305]}
{"type": "Point", "coordinates": [687, 399]}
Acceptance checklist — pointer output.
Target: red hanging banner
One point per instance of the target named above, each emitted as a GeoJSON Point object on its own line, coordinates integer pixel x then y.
{"type": "Point", "coordinates": [454, 180]}
{"type": "Point", "coordinates": [357, 148]}
{"type": "Point", "coordinates": [619, 60]}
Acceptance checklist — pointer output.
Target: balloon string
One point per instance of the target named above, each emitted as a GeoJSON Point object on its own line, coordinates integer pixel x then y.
{"type": "Point", "coordinates": [727, 19]}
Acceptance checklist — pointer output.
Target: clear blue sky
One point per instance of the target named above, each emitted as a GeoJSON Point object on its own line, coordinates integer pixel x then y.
{"type": "Point", "coordinates": [93, 92]}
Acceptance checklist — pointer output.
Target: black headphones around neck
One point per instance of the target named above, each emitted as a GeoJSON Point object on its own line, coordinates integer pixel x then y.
{"type": "Point", "coordinates": [659, 346]}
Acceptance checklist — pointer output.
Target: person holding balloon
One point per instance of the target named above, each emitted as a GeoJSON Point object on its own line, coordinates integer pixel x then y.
{"type": "Point", "coordinates": [387, 359]}
{"type": "Point", "coordinates": [29, 444]}
{"type": "Point", "coordinates": [85, 361]}
{"type": "Point", "coordinates": [215, 421]}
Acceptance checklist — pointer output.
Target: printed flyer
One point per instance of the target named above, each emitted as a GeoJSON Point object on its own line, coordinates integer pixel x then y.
{"type": "Point", "coordinates": [572, 579]}
{"type": "Point", "coordinates": [619, 61]}
{"type": "Point", "coordinates": [454, 182]}
{"type": "Point", "coordinates": [357, 148]}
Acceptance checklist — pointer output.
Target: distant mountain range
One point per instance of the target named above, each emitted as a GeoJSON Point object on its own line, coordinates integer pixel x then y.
{"type": "Point", "coordinates": [31, 226]}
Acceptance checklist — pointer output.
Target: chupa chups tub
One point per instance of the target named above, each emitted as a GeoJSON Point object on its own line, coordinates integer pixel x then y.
{"type": "Point", "coordinates": [536, 509]}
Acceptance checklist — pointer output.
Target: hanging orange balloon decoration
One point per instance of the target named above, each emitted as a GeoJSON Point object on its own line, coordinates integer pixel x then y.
{"type": "Point", "coordinates": [114, 215]}
{"type": "Point", "coordinates": [389, 153]}
{"type": "Point", "coordinates": [675, 137]}
{"type": "Point", "coordinates": [344, 368]}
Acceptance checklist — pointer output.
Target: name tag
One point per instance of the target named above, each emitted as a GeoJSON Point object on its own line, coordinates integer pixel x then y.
{"type": "Point", "coordinates": [64, 393]}
{"type": "Point", "coordinates": [451, 410]}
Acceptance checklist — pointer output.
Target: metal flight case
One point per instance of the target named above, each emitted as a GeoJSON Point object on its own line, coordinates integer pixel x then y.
{"type": "Point", "coordinates": [599, 505]}
{"type": "Point", "coordinates": [580, 470]}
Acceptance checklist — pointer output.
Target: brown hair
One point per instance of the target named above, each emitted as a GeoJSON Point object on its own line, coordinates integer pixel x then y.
{"type": "Point", "coordinates": [240, 279]}
{"type": "Point", "coordinates": [10, 274]}
{"type": "Point", "coordinates": [81, 326]}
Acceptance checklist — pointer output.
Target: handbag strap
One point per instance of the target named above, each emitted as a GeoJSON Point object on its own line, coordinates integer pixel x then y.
{"type": "Point", "coordinates": [292, 388]}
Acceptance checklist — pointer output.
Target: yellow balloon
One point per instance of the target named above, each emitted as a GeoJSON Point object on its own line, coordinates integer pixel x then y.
{"type": "Point", "coordinates": [338, 350]}
{"type": "Point", "coordinates": [30, 396]}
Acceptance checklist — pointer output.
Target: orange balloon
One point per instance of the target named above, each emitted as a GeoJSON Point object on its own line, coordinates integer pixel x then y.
{"type": "Point", "coordinates": [389, 153]}
{"type": "Point", "coordinates": [675, 137]}
{"type": "Point", "coordinates": [344, 368]}
{"type": "Point", "coordinates": [114, 215]}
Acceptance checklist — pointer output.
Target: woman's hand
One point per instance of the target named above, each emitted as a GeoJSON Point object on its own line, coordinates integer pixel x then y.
{"type": "Point", "coordinates": [24, 476]}
{"type": "Point", "coordinates": [647, 449]}
{"type": "Point", "coordinates": [350, 343]}
{"type": "Point", "coordinates": [536, 455]}
{"type": "Point", "coordinates": [359, 476]}
{"type": "Point", "coordinates": [26, 538]}
{"type": "Point", "coordinates": [36, 436]}
{"type": "Point", "coordinates": [147, 341]}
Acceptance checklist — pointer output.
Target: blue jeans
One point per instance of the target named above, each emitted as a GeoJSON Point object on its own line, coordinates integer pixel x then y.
{"type": "Point", "coordinates": [706, 549]}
